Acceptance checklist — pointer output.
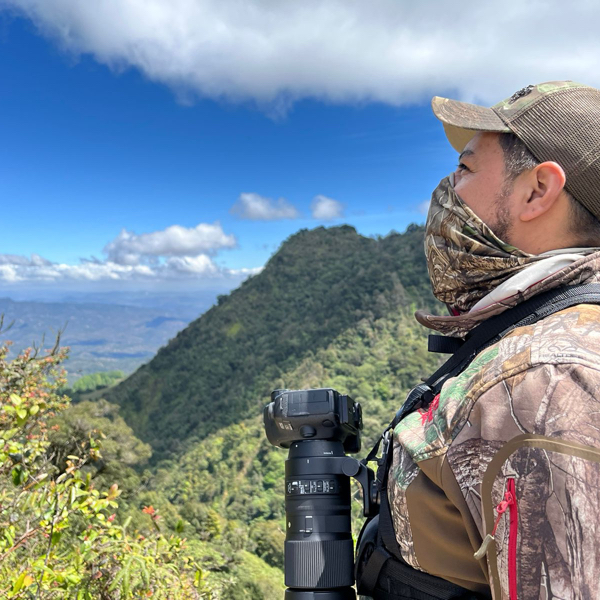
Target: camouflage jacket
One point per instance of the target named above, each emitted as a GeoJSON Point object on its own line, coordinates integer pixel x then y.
{"type": "Point", "coordinates": [511, 447]}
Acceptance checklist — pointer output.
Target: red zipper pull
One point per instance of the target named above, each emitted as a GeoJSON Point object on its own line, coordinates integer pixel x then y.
{"type": "Point", "coordinates": [489, 538]}
{"type": "Point", "coordinates": [501, 509]}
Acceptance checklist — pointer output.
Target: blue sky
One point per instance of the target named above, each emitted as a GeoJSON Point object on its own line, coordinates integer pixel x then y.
{"type": "Point", "coordinates": [98, 138]}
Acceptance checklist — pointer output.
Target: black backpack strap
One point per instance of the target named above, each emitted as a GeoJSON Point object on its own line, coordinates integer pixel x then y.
{"type": "Point", "coordinates": [526, 313]}
{"type": "Point", "coordinates": [370, 562]}
{"type": "Point", "coordinates": [487, 333]}
{"type": "Point", "coordinates": [444, 344]}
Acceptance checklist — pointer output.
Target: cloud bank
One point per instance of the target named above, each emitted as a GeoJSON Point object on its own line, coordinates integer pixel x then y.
{"type": "Point", "coordinates": [274, 52]}
{"type": "Point", "coordinates": [172, 254]}
{"type": "Point", "coordinates": [255, 207]}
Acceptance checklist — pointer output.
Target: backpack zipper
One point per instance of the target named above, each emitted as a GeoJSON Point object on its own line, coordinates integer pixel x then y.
{"type": "Point", "coordinates": [512, 539]}
{"type": "Point", "coordinates": [508, 503]}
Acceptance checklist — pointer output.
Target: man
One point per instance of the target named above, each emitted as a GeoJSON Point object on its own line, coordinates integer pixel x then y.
{"type": "Point", "coordinates": [494, 485]}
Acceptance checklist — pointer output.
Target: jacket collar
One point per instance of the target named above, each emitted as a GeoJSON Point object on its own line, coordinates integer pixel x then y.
{"type": "Point", "coordinates": [584, 270]}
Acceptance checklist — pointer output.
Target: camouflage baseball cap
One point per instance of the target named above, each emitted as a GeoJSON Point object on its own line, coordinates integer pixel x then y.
{"type": "Point", "coordinates": [557, 121]}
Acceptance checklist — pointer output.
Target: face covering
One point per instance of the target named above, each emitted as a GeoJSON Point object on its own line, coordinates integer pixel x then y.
{"type": "Point", "coordinates": [465, 259]}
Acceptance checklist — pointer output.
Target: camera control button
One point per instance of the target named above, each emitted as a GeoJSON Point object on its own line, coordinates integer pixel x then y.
{"type": "Point", "coordinates": [350, 466]}
{"type": "Point", "coordinates": [306, 431]}
{"type": "Point", "coordinates": [327, 423]}
{"type": "Point", "coordinates": [308, 524]}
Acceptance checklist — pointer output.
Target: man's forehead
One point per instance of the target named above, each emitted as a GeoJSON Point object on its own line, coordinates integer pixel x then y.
{"type": "Point", "coordinates": [483, 143]}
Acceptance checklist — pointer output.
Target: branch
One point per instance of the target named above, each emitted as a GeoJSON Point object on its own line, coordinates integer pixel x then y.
{"type": "Point", "coordinates": [20, 541]}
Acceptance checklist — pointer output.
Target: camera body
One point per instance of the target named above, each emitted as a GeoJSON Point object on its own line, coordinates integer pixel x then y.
{"type": "Point", "coordinates": [316, 414]}
{"type": "Point", "coordinates": [319, 426]}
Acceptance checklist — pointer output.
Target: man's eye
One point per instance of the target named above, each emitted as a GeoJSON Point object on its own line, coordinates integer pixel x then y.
{"type": "Point", "coordinates": [462, 167]}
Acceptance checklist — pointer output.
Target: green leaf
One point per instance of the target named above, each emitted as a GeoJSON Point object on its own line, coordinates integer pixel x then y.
{"type": "Point", "coordinates": [7, 435]}
{"type": "Point", "coordinates": [16, 400]}
{"type": "Point", "coordinates": [8, 534]}
{"type": "Point", "coordinates": [19, 583]}
{"type": "Point", "coordinates": [34, 410]}
{"type": "Point", "coordinates": [17, 475]}
{"type": "Point", "coordinates": [22, 413]}
{"type": "Point", "coordinates": [126, 524]}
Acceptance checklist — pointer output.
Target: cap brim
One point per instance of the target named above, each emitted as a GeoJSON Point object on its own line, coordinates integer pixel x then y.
{"type": "Point", "coordinates": [463, 120]}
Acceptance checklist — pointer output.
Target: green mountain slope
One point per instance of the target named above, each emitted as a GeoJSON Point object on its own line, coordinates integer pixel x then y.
{"type": "Point", "coordinates": [219, 371]}
{"type": "Point", "coordinates": [229, 486]}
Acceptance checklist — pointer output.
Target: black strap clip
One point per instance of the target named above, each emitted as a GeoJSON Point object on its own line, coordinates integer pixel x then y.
{"type": "Point", "coordinates": [420, 396]}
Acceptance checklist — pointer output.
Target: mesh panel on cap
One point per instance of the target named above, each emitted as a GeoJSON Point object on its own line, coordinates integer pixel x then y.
{"type": "Point", "coordinates": [564, 127]}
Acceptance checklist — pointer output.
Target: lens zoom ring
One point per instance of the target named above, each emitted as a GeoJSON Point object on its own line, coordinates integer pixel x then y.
{"type": "Point", "coordinates": [319, 564]}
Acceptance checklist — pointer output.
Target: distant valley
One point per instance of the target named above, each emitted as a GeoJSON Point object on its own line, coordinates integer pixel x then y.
{"type": "Point", "coordinates": [101, 336]}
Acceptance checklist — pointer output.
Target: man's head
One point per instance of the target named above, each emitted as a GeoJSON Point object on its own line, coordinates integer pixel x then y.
{"type": "Point", "coordinates": [529, 167]}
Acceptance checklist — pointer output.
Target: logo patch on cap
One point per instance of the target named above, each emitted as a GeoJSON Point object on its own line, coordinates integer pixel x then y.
{"type": "Point", "coordinates": [520, 94]}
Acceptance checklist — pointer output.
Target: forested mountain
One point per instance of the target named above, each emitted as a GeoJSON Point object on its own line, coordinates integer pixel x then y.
{"type": "Point", "coordinates": [218, 371]}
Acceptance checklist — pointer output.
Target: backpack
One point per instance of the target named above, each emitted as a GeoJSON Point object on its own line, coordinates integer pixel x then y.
{"type": "Point", "coordinates": [380, 571]}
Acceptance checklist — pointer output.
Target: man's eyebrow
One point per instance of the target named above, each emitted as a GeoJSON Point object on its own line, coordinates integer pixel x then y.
{"type": "Point", "coordinates": [466, 153]}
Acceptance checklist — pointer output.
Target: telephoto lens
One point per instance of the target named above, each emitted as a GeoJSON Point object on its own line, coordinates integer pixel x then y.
{"type": "Point", "coordinates": [319, 427]}
{"type": "Point", "coordinates": [319, 552]}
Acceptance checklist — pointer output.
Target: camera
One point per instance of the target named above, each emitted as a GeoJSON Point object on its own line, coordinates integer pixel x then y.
{"type": "Point", "coordinates": [319, 426]}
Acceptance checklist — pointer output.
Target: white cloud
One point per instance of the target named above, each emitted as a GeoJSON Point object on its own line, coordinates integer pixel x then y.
{"type": "Point", "coordinates": [19, 268]}
{"type": "Point", "coordinates": [9, 273]}
{"type": "Point", "coordinates": [258, 208]}
{"type": "Point", "coordinates": [244, 271]}
{"type": "Point", "coordinates": [277, 51]}
{"type": "Point", "coordinates": [129, 248]}
{"type": "Point", "coordinates": [325, 209]}
{"type": "Point", "coordinates": [197, 265]}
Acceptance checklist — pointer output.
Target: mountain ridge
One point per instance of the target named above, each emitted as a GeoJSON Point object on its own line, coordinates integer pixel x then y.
{"type": "Point", "coordinates": [219, 369]}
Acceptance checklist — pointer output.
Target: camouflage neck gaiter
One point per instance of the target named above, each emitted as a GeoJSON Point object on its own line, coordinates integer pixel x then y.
{"type": "Point", "coordinates": [465, 259]}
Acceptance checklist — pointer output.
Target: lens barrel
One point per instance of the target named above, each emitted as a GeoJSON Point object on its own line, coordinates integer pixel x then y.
{"type": "Point", "coordinates": [319, 552]}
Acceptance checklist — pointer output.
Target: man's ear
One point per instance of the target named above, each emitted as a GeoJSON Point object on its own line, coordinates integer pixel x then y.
{"type": "Point", "coordinates": [546, 181]}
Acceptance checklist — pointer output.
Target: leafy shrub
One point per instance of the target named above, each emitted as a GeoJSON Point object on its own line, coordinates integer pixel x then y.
{"type": "Point", "coordinates": [60, 537]}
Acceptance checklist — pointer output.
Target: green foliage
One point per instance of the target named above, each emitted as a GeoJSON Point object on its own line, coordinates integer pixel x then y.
{"type": "Point", "coordinates": [319, 285]}
{"type": "Point", "coordinates": [255, 581]}
{"type": "Point", "coordinates": [59, 535]}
